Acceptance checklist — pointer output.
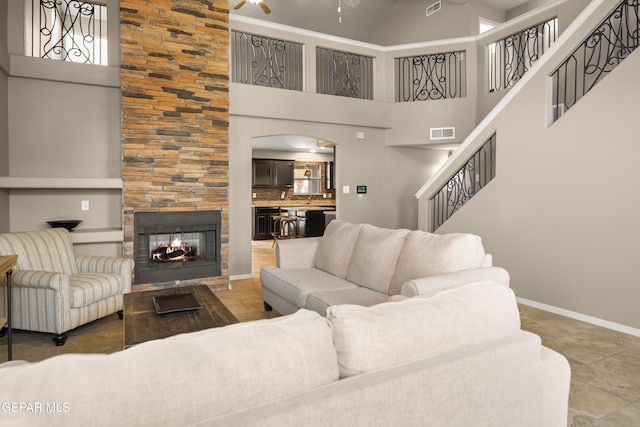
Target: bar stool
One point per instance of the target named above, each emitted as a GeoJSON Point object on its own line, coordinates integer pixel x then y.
{"type": "Point", "coordinates": [282, 227]}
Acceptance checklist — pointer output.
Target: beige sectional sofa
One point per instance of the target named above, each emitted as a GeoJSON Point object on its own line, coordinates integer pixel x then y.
{"type": "Point", "coordinates": [458, 358]}
{"type": "Point", "coordinates": [366, 265]}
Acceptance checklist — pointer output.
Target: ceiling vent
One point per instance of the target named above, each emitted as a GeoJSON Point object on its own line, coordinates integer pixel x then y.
{"type": "Point", "coordinates": [442, 133]}
{"type": "Point", "coordinates": [434, 8]}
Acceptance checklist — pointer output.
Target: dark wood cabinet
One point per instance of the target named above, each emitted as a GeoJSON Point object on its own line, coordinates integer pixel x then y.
{"type": "Point", "coordinates": [283, 173]}
{"type": "Point", "coordinates": [262, 171]}
{"type": "Point", "coordinates": [263, 222]}
{"type": "Point", "coordinates": [269, 173]}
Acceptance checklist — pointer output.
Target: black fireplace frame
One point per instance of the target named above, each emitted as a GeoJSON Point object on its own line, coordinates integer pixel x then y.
{"type": "Point", "coordinates": [147, 224]}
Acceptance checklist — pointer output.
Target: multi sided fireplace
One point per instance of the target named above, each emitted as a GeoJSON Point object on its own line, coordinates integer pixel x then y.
{"type": "Point", "coordinates": [172, 246]}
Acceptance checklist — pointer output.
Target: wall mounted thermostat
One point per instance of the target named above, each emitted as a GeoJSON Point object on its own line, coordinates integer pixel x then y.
{"type": "Point", "coordinates": [361, 189]}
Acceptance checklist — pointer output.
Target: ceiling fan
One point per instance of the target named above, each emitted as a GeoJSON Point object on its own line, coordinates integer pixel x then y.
{"type": "Point", "coordinates": [260, 3]}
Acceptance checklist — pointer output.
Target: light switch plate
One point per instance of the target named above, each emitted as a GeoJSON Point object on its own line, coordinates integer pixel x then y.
{"type": "Point", "coordinates": [345, 189]}
{"type": "Point", "coordinates": [84, 205]}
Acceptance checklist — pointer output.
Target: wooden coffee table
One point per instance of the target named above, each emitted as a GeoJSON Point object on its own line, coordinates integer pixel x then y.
{"type": "Point", "coordinates": [142, 323]}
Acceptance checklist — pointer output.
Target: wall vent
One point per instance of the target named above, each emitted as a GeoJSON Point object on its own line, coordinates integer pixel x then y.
{"type": "Point", "coordinates": [442, 133]}
{"type": "Point", "coordinates": [434, 8]}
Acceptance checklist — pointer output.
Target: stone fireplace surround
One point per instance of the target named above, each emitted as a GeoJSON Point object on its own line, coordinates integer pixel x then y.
{"type": "Point", "coordinates": [175, 115]}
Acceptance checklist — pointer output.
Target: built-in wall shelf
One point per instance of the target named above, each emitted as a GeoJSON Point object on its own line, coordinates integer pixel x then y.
{"type": "Point", "coordinates": [9, 182]}
{"type": "Point", "coordinates": [97, 235]}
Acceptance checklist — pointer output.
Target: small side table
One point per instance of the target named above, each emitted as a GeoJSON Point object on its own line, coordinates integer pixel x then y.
{"type": "Point", "coordinates": [6, 265]}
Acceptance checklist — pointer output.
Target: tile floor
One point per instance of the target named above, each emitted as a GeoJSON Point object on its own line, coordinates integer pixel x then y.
{"type": "Point", "coordinates": [605, 364]}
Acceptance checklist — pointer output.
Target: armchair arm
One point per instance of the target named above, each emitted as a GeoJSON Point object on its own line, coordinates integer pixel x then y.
{"type": "Point", "coordinates": [434, 284]}
{"type": "Point", "coordinates": [108, 265]}
{"type": "Point", "coordinates": [297, 253]}
{"type": "Point", "coordinates": [40, 280]}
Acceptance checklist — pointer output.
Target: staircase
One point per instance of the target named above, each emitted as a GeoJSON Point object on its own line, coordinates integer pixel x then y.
{"type": "Point", "coordinates": [561, 212]}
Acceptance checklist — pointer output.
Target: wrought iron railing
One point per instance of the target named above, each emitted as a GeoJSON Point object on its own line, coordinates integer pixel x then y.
{"type": "Point", "coordinates": [429, 77]}
{"type": "Point", "coordinates": [67, 30]}
{"type": "Point", "coordinates": [264, 61]}
{"type": "Point", "coordinates": [510, 58]}
{"type": "Point", "coordinates": [344, 74]}
{"type": "Point", "coordinates": [608, 45]}
{"type": "Point", "coordinates": [465, 183]}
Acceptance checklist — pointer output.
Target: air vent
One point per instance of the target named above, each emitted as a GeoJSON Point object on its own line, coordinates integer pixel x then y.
{"type": "Point", "coordinates": [442, 133]}
{"type": "Point", "coordinates": [434, 8]}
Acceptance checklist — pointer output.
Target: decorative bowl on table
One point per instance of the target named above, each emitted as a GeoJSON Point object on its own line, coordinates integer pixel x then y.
{"type": "Point", "coordinates": [69, 224]}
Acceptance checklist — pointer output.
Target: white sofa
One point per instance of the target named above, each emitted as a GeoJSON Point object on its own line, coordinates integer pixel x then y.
{"type": "Point", "coordinates": [458, 358]}
{"type": "Point", "coordinates": [365, 265]}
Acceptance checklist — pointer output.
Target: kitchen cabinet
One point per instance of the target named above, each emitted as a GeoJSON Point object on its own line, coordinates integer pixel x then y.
{"type": "Point", "coordinates": [311, 221]}
{"type": "Point", "coordinates": [270, 173]}
{"type": "Point", "coordinates": [263, 222]}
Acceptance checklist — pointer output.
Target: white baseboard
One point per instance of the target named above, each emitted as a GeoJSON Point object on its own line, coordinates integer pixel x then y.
{"type": "Point", "coordinates": [583, 317]}
{"type": "Point", "coordinates": [240, 277]}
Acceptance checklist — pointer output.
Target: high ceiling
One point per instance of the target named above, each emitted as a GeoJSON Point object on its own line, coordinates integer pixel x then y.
{"type": "Point", "coordinates": [358, 23]}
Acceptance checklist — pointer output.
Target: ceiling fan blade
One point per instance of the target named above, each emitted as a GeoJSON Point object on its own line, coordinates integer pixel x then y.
{"type": "Point", "coordinates": [239, 5]}
{"type": "Point", "coordinates": [264, 7]}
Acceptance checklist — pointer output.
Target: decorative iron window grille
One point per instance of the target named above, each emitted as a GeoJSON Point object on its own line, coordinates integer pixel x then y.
{"type": "Point", "coordinates": [66, 30]}
{"type": "Point", "coordinates": [606, 47]}
{"type": "Point", "coordinates": [510, 58]}
{"type": "Point", "coordinates": [465, 183]}
{"type": "Point", "coordinates": [264, 61]}
{"type": "Point", "coordinates": [430, 77]}
{"type": "Point", "coordinates": [344, 74]}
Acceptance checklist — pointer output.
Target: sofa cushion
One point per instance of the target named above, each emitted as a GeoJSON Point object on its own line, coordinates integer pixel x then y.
{"type": "Point", "coordinates": [336, 245]}
{"type": "Point", "coordinates": [181, 379]}
{"type": "Point", "coordinates": [87, 288]}
{"type": "Point", "coordinates": [375, 256]}
{"type": "Point", "coordinates": [370, 338]}
{"type": "Point", "coordinates": [427, 254]}
{"type": "Point", "coordinates": [295, 284]}
{"type": "Point", "coordinates": [321, 300]}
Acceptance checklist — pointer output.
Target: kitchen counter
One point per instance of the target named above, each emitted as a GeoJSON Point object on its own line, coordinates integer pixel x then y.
{"type": "Point", "coordinates": [308, 208]}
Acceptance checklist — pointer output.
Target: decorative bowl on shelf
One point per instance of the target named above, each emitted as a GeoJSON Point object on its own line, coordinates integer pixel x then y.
{"type": "Point", "coordinates": [69, 224]}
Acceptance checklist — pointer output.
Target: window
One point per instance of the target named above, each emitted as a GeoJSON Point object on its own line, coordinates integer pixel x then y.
{"type": "Point", "coordinates": [66, 30]}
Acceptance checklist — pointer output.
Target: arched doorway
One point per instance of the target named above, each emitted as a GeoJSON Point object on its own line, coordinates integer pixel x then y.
{"type": "Point", "coordinates": [292, 174]}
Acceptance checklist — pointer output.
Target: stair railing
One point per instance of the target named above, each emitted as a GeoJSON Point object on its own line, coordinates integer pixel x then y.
{"type": "Point", "coordinates": [607, 46]}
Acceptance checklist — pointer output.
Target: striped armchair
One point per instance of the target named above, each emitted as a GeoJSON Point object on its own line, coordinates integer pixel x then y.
{"type": "Point", "coordinates": [54, 290]}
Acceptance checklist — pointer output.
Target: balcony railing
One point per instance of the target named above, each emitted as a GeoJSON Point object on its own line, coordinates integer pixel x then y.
{"type": "Point", "coordinates": [66, 30]}
{"type": "Point", "coordinates": [264, 61]}
{"type": "Point", "coordinates": [510, 58]}
{"type": "Point", "coordinates": [344, 74]}
{"type": "Point", "coordinates": [611, 42]}
{"type": "Point", "coordinates": [429, 77]}
{"type": "Point", "coordinates": [465, 183]}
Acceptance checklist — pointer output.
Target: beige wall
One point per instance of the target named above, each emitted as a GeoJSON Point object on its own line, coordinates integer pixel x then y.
{"type": "Point", "coordinates": [561, 214]}
{"type": "Point", "coordinates": [407, 22]}
{"type": "Point", "coordinates": [64, 122]}
{"type": "Point", "coordinates": [389, 173]}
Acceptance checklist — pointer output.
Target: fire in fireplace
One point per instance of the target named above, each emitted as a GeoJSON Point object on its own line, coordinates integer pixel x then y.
{"type": "Point", "coordinates": [173, 246]}
{"type": "Point", "coordinates": [175, 249]}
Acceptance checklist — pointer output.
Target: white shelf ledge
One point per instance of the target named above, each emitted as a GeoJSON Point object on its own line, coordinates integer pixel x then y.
{"type": "Point", "coordinates": [97, 235]}
{"type": "Point", "coordinates": [60, 183]}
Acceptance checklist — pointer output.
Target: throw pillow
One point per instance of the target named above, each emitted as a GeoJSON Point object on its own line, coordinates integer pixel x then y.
{"type": "Point", "coordinates": [375, 256]}
{"type": "Point", "coordinates": [427, 254]}
{"type": "Point", "coordinates": [336, 245]}
{"type": "Point", "coordinates": [376, 337]}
